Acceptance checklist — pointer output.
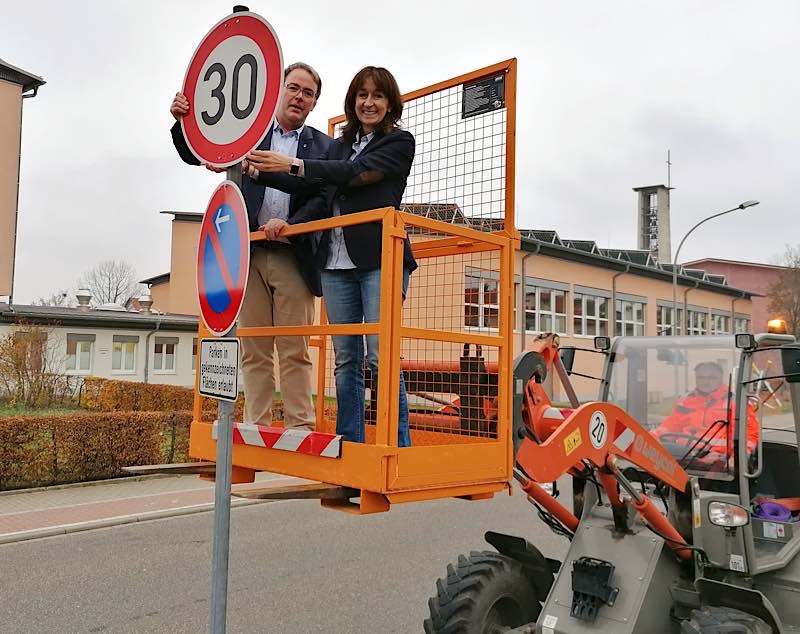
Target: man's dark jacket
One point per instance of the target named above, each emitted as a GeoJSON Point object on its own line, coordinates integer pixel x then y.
{"type": "Point", "coordinates": [312, 144]}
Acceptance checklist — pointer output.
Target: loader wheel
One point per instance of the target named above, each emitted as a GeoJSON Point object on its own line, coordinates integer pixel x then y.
{"type": "Point", "coordinates": [485, 593]}
{"type": "Point", "coordinates": [717, 620]}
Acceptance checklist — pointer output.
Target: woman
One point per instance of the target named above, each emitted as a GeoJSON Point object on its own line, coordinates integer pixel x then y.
{"type": "Point", "coordinates": [367, 168]}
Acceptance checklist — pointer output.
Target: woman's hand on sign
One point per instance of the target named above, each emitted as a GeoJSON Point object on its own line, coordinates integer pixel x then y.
{"type": "Point", "coordinates": [269, 161]}
{"type": "Point", "coordinates": [249, 169]}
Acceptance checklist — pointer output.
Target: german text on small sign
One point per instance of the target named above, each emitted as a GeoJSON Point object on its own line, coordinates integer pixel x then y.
{"type": "Point", "coordinates": [219, 368]}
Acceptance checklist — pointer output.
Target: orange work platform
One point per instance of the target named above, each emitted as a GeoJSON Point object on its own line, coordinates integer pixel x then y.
{"type": "Point", "coordinates": [451, 336]}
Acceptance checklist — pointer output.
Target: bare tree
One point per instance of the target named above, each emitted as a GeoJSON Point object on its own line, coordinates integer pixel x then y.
{"type": "Point", "coordinates": [59, 298]}
{"type": "Point", "coordinates": [784, 293]}
{"type": "Point", "coordinates": [111, 282]}
{"type": "Point", "coordinates": [31, 367]}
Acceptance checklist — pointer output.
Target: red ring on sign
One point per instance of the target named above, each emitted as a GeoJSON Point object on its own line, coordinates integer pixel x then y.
{"type": "Point", "coordinates": [221, 323]}
{"type": "Point", "coordinates": [258, 30]}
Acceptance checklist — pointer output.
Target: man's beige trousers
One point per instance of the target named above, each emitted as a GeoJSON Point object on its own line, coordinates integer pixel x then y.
{"type": "Point", "coordinates": [276, 295]}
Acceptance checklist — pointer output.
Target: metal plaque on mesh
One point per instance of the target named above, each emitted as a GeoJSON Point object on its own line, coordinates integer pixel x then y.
{"type": "Point", "coordinates": [483, 96]}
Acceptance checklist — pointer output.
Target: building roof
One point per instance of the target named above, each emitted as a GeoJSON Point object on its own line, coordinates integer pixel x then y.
{"type": "Point", "coordinates": [544, 236]}
{"type": "Point", "coordinates": [634, 261]}
{"type": "Point", "coordinates": [637, 256]}
{"type": "Point", "coordinates": [156, 279]}
{"type": "Point", "coordinates": [702, 261]}
{"type": "Point", "coordinates": [590, 246]}
{"type": "Point", "coordinates": [185, 216]}
{"type": "Point", "coordinates": [94, 318]}
{"type": "Point", "coordinates": [444, 212]}
{"type": "Point", "coordinates": [607, 261]}
{"type": "Point", "coordinates": [15, 75]}
{"type": "Point", "coordinates": [698, 274]}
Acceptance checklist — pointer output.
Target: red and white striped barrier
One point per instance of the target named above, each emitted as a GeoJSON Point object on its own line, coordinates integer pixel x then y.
{"type": "Point", "coordinates": [313, 443]}
{"type": "Point", "coordinates": [623, 437]}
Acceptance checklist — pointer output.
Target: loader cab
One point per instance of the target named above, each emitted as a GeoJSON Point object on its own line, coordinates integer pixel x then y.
{"type": "Point", "coordinates": [697, 393]}
{"type": "Point", "coordinates": [683, 390]}
{"type": "Point", "coordinates": [736, 434]}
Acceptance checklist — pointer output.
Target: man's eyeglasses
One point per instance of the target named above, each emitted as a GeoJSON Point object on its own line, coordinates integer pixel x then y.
{"type": "Point", "coordinates": [294, 89]}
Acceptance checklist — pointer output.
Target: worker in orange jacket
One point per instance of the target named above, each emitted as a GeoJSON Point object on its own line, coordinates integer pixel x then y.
{"type": "Point", "coordinates": [708, 403]}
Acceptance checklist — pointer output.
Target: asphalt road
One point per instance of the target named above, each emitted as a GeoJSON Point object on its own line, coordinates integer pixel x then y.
{"type": "Point", "coordinates": [294, 568]}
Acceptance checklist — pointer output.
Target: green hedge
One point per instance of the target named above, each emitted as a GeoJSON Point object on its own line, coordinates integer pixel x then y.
{"type": "Point", "coordinates": [41, 451]}
{"type": "Point", "coordinates": [108, 395]}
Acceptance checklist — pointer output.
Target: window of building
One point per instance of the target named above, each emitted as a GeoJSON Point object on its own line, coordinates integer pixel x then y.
{"type": "Point", "coordinates": [720, 324]}
{"type": "Point", "coordinates": [590, 315]}
{"type": "Point", "coordinates": [545, 309]}
{"type": "Point", "coordinates": [742, 324]}
{"type": "Point", "coordinates": [79, 353]}
{"type": "Point", "coordinates": [664, 321]}
{"type": "Point", "coordinates": [194, 354]}
{"type": "Point", "coordinates": [481, 309]}
{"type": "Point", "coordinates": [698, 322]}
{"type": "Point", "coordinates": [33, 346]}
{"type": "Point", "coordinates": [629, 317]}
{"type": "Point", "coordinates": [164, 354]}
{"type": "Point", "coordinates": [123, 354]}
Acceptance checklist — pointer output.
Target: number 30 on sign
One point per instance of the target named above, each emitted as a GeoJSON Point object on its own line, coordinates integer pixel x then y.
{"type": "Point", "coordinates": [233, 84]}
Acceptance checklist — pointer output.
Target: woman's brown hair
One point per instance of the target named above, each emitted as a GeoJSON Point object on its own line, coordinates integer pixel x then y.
{"type": "Point", "coordinates": [384, 82]}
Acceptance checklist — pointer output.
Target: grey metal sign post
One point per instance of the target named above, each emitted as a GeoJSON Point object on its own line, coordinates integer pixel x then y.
{"type": "Point", "coordinates": [222, 494]}
{"type": "Point", "coordinates": [220, 129]}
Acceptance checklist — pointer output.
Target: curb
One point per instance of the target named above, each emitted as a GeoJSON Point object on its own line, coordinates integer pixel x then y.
{"type": "Point", "coordinates": [53, 531]}
{"type": "Point", "coordinates": [88, 483]}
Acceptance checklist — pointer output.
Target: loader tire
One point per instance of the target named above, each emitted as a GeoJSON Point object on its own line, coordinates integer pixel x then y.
{"type": "Point", "coordinates": [485, 593]}
{"type": "Point", "coordinates": [718, 620]}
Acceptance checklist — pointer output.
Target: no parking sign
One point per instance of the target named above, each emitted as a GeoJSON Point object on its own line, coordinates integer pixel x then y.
{"type": "Point", "coordinates": [223, 258]}
{"type": "Point", "coordinates": [233, 84]}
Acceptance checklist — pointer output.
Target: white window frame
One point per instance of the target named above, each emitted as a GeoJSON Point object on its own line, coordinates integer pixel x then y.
{"type": "Point", "coordinates": [585, 318]}
{"type": "Point", "coordinates": [717, 322]}
{"type": "Point", "coordinates": [664, 320]}
{"type": "Point", "coordinates": [482, 306]}
{"type": "Point", "coordinates": [741, 324]}
{"type": "Point", "coordinates": [621, 322]}
{"type": "Point", "coordinates": [79, 343]}
{"type": "Point", "coordinates": [123, 369]}
{"type": "Point", "coordinates": [537, 311]}
{"type": "Point", "coordinates": [694, 327]}
{"type": "Point", "coordinates": [160, 368]}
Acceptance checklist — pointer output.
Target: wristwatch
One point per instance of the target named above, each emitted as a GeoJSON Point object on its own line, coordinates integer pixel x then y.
{"type": "Point", "coordinates": [294, 170]}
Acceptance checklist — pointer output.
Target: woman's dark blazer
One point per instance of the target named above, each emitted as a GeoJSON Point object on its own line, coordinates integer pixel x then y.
{"type": "Point", "coordinates": [375, 178]}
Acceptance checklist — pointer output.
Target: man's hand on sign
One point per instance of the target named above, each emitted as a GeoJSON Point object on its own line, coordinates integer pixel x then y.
{"type": "Point", "coordinates": [211, 168]}
{"type": "Point", "coordinates": [273, 228]}
{"type": "Point", "coordinates": [180, 106]}
{"type": "Point", "coordinates": [268, 161]}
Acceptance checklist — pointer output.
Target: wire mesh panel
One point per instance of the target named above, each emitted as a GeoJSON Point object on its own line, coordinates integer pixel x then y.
{"type": "Point", "coordinates": [458, 174]}
{"type": "Point", "coordinates": [463, 168]}
{"type": "Point", "coordinates": [451, 389]}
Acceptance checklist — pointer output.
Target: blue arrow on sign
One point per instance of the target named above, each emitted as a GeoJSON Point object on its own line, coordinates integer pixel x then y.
{"type": "Point", "coordinates": [221, 258]}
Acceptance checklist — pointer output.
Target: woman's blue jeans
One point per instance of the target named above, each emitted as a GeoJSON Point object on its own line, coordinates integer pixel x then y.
{"type": "Point", "coordinates": [353, 296]}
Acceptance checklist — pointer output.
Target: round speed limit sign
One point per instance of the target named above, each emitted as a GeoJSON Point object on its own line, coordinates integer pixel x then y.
{"type": "Point", "coordinates": [233, 83]}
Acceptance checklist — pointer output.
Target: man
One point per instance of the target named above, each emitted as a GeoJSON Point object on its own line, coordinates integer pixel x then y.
{"type": "Point", "coordinates": [282, 280]}
{"type": "Point", "coordinates": [709, 404]}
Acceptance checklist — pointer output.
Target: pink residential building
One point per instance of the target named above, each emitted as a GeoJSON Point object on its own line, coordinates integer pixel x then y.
{"type": "Point", "coordinates": [750, 276]}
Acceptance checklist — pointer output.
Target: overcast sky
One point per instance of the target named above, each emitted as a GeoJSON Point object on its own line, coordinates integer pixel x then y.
{"type": "Point", "coordinates": [605, 88]}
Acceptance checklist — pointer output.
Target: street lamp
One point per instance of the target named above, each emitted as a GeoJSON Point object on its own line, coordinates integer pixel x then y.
{"type": "Point", "coordinates": [744, 205]}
